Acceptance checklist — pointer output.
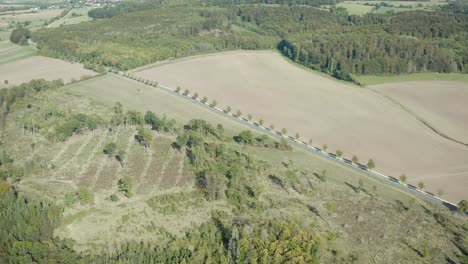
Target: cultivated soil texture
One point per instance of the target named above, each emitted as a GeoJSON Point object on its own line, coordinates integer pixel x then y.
{"type": "Point", "coordinates": [39, 67]}
{"type": "Point", "coordinates": [356, 120]}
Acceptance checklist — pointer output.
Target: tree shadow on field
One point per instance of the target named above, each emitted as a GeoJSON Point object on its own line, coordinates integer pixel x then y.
{"type": "Point", "coordinates": [354, 188]}
{"type": "Point", "coordinates": [413, 248]}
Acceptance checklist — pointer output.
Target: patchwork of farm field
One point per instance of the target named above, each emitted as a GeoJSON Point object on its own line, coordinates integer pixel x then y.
{"type": "Point", "coordinates": [37, 18]}
{"type": "Point", "coordinates": [355, 120]}
{"type": "Point", "coordinates": [38, 67]}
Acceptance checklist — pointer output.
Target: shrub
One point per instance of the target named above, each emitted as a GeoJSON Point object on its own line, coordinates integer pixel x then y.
{"type": "Point", "coordinates": [403, 178]}
{"type": "Point", "coordinates": [85, 196]}
{"type": "Point", "coordinates": [204, 99]}
{"type": "Point", "coordinates": [330, 208]}
{"type": "Point", "coordinates": [20, 36]}
{"type": "Point", "coordinates": [114, 198]}
{"type": "Point", "coordinates": [245, 137]}
{"type": "Point", "coordinates": [339, 153]}
{"type": "Point", "coordinates": [126, 185]}
{"type": "Point", "coordinates": [110, 149]}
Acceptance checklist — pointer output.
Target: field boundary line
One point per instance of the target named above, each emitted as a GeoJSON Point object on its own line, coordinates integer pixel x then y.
{"type": "Point", "coordinates": [202, 55]}
{"type": "Point", "coordinates": [300, 144]}
{"type": "Point", "coordinates": [420, 119]}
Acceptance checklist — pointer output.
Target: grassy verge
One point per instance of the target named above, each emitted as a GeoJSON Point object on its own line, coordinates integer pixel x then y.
{"type": "Point", "coordinates": [426, 76]}
{"type": "Point", "coordinates": [16, 54]}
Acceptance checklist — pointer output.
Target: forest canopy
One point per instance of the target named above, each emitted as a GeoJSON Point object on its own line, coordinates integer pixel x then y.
{"type": "Point", "coordinates": [331, 41]}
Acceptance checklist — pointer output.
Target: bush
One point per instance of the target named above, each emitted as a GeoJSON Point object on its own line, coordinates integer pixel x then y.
{"type": "Point", "coordinates": [20, 36]}
{"type": "Point", "coordinates": [110, 149]}
{"type": "Point", "coordinates": [245, 137]}
{"type": "Point", "coordinates": [126, 185]}
{"type": "Point", "coordinates": [114, 198]}
{"type": "Point", "coordinates": [85, 196]}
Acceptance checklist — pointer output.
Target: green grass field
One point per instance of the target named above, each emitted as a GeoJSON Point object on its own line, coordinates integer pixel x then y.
{"type": "Point", "coordinates": [385, 9]}
{"type": "Point", "coordinates": [429, 76]}
{"type": "Point", "coordinates": [140, 97]}
{"type": "Point", "coordinates": [69, 19]}
{"type": "Point", "coordinates": [356, 9]}
{"type": "Point", "coordinates": [15, 52]}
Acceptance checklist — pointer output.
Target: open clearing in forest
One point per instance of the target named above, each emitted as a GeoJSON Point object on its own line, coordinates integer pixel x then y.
{"type": "Point", "coordinates": [355, 120]}
{"type": "Point", "coordinates": [38, 67]}
{"type": "Point", "coordinates": [75, 16]}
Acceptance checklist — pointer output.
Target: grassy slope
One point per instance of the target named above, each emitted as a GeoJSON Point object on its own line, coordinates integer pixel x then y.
{"type": "Point", "coordinates": [429, 76]}
{"type": "Point", "coordinates": [69, 19]}
{"type": "Point", "coordinates": [358, 221]}
{"type": "Point", "coordinates": [356, 9]}
{"type": "Point", "coordinates": [17, 53]}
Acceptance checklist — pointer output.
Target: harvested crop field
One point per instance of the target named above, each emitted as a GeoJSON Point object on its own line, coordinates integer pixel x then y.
{"type": "Point", "coordinates": [442, 104]}
{"type": "Point", "coordinates": [355, 120]}
{"type": "Point", "coordinates": [38, 67]}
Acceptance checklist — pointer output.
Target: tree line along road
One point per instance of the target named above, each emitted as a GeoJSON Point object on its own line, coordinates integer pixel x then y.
{"type": "Point", "coordinates": [297, 143]}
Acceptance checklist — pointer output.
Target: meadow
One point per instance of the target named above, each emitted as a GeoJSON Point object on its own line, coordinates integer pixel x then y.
{"type": "Point", "coordinates": [354, 120]}
{"type": "Point", "coordinates": [75, 16]}
{"type": "Point", "coordinates": [10, 52]}
{"type": "Point", "coordinates": [356, 9]}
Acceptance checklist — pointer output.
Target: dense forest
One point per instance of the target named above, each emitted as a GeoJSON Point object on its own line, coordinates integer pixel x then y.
{"type": "Point", "coordinates": [331, 41]}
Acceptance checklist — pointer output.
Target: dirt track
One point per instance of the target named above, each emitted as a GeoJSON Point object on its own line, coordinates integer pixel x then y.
{"type": "Point", "coordinates": [355, 120]}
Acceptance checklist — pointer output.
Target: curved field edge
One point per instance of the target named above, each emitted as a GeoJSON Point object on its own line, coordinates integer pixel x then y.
{"type": "Point", "coordinates": [265, 88]}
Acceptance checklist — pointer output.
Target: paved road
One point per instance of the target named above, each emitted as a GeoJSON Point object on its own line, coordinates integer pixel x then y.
{"type": "Point", "coordinates": [302, 145]}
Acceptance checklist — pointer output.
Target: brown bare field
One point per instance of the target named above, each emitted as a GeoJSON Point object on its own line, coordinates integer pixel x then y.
{"type": "Point", "coordinates": [441, 103]}
{"type": "Point", "coordinates": [355, 120]}
{"type": "Point", "coordinates": [38, 67]}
